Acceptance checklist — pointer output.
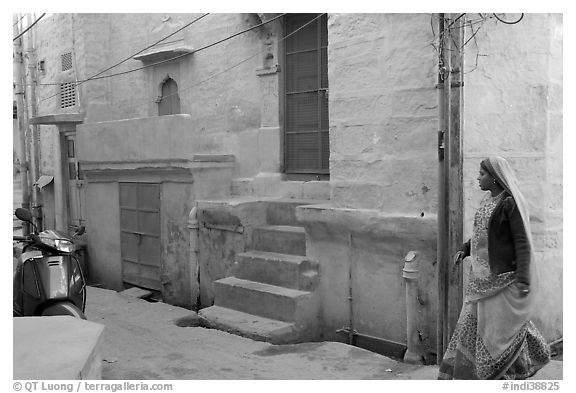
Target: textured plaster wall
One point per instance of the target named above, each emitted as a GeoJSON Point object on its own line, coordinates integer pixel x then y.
{"type": "Point", "coordinates": [362, 251]}
{"type": "Point", "coordinates": [103, 232]}
{"type": "Point", "coordinates": [225, 231]}
{"type": "Point", "coordinates": [513, 108]}
{"type": "Point", "coordinates": [148, 138]}
{"type": "Point", "coordinates": [54, 37]}
{"type": "Point", "coordinates": [383, 112]}
{"type": "Point", "coordinates": [223, 103]}
{"type": "Point", "coordinates": [383, 174]}
{"type": "Point", "coordinates": [176, 204]}
{"type": "Point", "coordinates": [218, 87]}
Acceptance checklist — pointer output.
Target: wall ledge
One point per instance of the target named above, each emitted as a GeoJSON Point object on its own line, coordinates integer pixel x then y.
{"type": "Point", "coordinates": [93, 169]}
{"type": "Point", "coordinates": [371, 222]}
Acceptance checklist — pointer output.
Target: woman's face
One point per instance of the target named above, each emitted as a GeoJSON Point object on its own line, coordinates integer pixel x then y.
{"type": "Point", "coordinates": [485, 181]}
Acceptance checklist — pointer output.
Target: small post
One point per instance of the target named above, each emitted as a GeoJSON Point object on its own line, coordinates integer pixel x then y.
{"type": "Point", "coordinates": [414, 353]}
{"type": "Point", "coordinates": [194, 263]}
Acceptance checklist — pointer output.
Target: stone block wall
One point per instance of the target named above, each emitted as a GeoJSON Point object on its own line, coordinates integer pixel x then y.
{"type": "Point", "coordinates": [383, 112]}
{"type": "Point", "coordinates": [513, 108]}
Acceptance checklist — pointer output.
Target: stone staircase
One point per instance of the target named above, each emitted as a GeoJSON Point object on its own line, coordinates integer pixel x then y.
{"type": "Point", "coordinates": [271, 296]}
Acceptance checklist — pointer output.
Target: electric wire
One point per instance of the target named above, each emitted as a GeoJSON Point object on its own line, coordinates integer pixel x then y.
{"type": "Point", "coordinates": [241, 62]}
{"type": "Point", "coordinates": [170, 59]}
{"type": "Point", "coordinates": [509, 23]}
{"type": "Point", "coordinates": [78, 83]}
{"type": "Point", "coordinates": [148, 47]}
{"type": "Point", "coordinates": [189, 53]}
{"type": "Point", "coordinates": [29, 27]}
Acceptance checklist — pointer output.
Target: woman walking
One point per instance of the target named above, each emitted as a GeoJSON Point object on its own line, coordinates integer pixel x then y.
{"type": "Point", "coordinates": [494, 337]}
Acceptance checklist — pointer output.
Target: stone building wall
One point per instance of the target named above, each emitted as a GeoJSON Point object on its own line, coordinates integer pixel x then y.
{"type": "Point", "coordinates": [383, 112]}
{"type": "Point", "coordinates": [218, 86]}
{"type": "Point", "coordinates": [513, 108]}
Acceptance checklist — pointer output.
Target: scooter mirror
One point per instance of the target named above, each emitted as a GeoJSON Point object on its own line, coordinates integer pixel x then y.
{"type": "Point", "coordinates": [80, 230]}
{"type": "Point", "coordinates": [23, 214]}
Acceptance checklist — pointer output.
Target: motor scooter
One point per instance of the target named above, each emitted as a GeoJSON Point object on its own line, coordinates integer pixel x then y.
{"type": "Point", "coordinates": [48, 278]}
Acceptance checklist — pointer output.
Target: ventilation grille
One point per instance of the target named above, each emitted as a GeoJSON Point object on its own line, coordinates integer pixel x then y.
{"type": "Point", "coordinates": [67, 94]}
{"type": "Point", "coordinates": [66, 61]}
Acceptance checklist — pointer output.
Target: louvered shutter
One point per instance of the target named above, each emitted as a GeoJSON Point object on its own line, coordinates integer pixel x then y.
{"type": "Point", "coordinates": [306, 88]}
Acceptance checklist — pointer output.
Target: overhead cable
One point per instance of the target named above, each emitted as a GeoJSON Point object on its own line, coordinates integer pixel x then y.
{"type": "Point", "coordinates": [148, 47]}
{"type": "Point", "coordinates": [242, 61]}
{"type": "Point", "coordinates": [182, 55]}
{"type": "Point", "coordinates": [29, 27]}
{"type": "Point", "coordinates": [77, 83]}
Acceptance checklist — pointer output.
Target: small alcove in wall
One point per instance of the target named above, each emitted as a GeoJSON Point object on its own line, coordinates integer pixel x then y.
{"type": "Point", "coordinates": [168, 98]}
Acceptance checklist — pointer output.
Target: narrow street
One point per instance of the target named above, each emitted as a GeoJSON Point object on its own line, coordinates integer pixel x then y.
{"type": "Point", "coordinates": [142, 341]}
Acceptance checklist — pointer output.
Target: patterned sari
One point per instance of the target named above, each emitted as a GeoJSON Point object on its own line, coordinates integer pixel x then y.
{"type": "Point", "coordinates": [494, 337]}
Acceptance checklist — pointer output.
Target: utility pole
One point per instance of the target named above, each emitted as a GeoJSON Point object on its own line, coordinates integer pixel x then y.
{"type": "Point", "coordinates": [35, 145]}
{"type": "Point", "coordinates": [450, 196]}
{"type": "Point", "coordinates": [22, 121]}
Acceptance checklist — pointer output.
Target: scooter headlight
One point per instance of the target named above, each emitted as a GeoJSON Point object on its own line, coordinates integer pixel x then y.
{"type": "Point", "coordinates": [59, 244]}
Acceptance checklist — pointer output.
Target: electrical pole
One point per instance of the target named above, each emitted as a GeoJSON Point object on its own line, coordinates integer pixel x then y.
{"type": "Point", "coordinates": [450, 196]}
{"type": "Point", "coordinates": [35, 145]}
{"type": "Point", "coordinates": [22, 121]}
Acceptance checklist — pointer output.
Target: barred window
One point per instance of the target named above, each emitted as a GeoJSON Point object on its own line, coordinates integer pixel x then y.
{"type": "Point", "coordinates": [66, 61]}
{"type": "Point", "coordinates": [67, 94]}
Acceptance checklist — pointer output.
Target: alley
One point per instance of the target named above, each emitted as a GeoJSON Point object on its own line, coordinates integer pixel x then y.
{"type": "Point", "coordinates": [142, 340]}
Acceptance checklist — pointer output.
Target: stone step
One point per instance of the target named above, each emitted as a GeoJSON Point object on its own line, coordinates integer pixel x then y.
{"type": "Point", "coordinates": [282, 239]}
{"type": "Point", "coordinates": [260, 299]}
{"type": "Point", "coordinates": [249, 325]}
{"type": "Point", "coordinates": [283, 211]}
{"type": "Point", "coordinates": [289, 271]}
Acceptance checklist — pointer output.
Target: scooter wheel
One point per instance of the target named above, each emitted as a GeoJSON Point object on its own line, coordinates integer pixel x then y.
{"type": "Point", "coordinates": [63, 308]}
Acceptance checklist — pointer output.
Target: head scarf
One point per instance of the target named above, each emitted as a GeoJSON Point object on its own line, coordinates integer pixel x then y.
{"type": "Point", "coordinates": [504, 175]}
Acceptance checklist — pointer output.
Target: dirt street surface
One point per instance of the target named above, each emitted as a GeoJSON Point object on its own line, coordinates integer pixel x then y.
{"type": "Point", "coordinates": [142, 341]}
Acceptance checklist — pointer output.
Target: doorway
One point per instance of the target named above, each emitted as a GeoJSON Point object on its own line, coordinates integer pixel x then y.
{"type": "Point", "coordinates": [140, 234]}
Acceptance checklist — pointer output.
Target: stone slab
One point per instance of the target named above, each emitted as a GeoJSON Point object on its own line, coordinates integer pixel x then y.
{"type": "Point", "coordinates": [280, 238]}
{"type": "Point", "coordinates": [248, 325]}
{"type": "Point", "coordinates": [56, 348]}
{"type": "Point", "coordinates": [259, 299]}
{"type": "Point", "coordinates": [137, 293]}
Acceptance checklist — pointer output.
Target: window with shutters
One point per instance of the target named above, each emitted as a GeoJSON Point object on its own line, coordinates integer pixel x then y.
{"type": "Point", "coordinates": [306, 140]}
{"type": "Point", "coordinates": [169, 100]}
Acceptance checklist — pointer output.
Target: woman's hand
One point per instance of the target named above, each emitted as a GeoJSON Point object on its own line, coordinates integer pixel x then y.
{"type": "Point", "coordinates": [458, 257]}
{"type": "Point", "coordinates": [521, 289]}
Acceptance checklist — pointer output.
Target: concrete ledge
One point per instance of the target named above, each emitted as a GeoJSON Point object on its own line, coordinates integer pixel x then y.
{"type": "Point", "coordinates": [56, 348]}
{"type": "Point", "coordinates": [58, 118]}
{"type": "Point", "coordinates": [365, 221]}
